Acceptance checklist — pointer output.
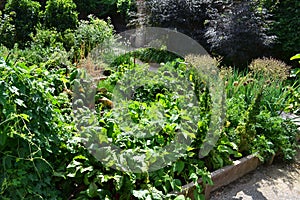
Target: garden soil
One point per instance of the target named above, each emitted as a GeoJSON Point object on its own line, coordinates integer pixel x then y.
{"type": "Point", "coordinates": [279, 181]}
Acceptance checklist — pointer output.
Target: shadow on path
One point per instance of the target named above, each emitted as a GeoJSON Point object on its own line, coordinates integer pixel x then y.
{"type": "Point", "coordinates": [280, 181]}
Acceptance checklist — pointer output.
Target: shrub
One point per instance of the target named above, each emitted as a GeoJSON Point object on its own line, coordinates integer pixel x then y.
{"type": "Point", "coordinates": [185, 16]}
{"type": "Point", "coordinates": [231, 29]}
{"type": "Point", "coordinates": [86, 7]}
{"type": "Point", "coordinates": [104, 8]}
{"type": "Point", "coordinates": [99, 8]}
{"type": "Point", "coordinates": [25, 15]}
{"type": "Point", "coordinates": [236, 30]}
{"type": "Point", "coordinates": [91, 33]}
{"type": "Point", "coordinates": [126, 8]}
{"type": "Point", "coordinates": [61, 15]}
{"type": "Point", "coordinates": [47, 49]}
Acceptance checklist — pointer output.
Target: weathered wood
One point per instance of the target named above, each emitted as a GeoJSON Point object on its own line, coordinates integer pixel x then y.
{"type": "Point", "coordinates": [228, 174]}
{"type": "Point", "coordinates": [225, 175]}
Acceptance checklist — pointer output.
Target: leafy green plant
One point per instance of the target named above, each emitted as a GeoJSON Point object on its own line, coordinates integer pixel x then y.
{"type": "Point", "coordinates": [260, 95]}
{"type": "Point", "coordinates": [125, 7]}
{"type": "Point", "coordinates": [90, 34]}
{"type": "Point", "coordinates": [34, 113]}
{"type": "Point", "coordinates": [25, 17]}
{"type": "Point", "coordinates": [278, 135]}
{"type": "Point", "coordinates": [160, 183]}
{"type": "Point", "coordinates": [60, 14]}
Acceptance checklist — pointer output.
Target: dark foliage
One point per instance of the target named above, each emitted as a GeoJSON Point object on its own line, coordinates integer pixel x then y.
{"type": "Point", "coordinates": [286, 27]}
{"type": "Point", "coordinates": [96, 7]}
{"type": "Point", "coordinates": [237, 32]}
{"type": "Point", "coordinates": [188, 16]}
{"type": "Point", "coordinates": [25, 16]}
{"type": "Point", "coordinates": [227, 28]}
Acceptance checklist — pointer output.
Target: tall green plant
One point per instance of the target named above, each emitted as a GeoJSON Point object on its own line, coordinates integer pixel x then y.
{"type": "Point", "coordinates": [90, 34]}
{"type": "Point", "coordinates": [25, 15]}
{"type": "Point", "coordinates": [61, 15]}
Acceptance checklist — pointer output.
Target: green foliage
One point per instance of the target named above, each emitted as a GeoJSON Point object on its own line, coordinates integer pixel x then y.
{"type": "Point", "coordinates": [86, 7]}
{"type": "Point", "coordinates": [25, 16]}
{"type": "Point", "coordinates": [260, 95]}
{"type": "Point", "coordinates": [46, 49]}
{"type": "Point", "coordinates": [157, 184]}
{"type": "Point", "coordinates": [104, 8]}
{"type": "Point", "coordinates": [125, 7]}
{"type": "Point", "coordinates": [147, 55]}
{"type": "Point", "coordinates": [32, 129]}
{"type": "Point", "coordinates": [275, 136]}
{"type": "Point", "coordinates": [90, 34]}
{"type": "Point", "coordinates": [296, 71]}
{"type": "Point", "coordinates": [43, 158]}
{"type": "Point", "coordinates": [297, 56]}
{"type": "Point", "coordinates": [61, 15]}
{"type": "Point", "coordinates": [7, 30]}
{"type": "Point", "coordinates": [286, 28]}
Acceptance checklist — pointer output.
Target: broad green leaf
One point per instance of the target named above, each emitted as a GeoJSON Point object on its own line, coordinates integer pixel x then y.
{"type": "Point", "coordinates": [92, 190]}
{"type": "Point", "coordinates": [198, 196]}
{"type": "Point", "coordinates": [59, 174]}
{"type": "Point", "coordinates": [179, 166]}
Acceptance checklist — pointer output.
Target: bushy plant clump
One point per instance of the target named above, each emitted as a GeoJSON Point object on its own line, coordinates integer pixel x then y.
{"type": "Point", "coordinates": [60, 14]}
{"type": "Point", "coordinates": [34, 130]}
{"type": "Point", "coordinates": [236, 30]}
{"type": "Point", "coordinates": [260, 96]}
{"type": "Point", "coordinates": [56, 49]}
{"type": "Point", "coordinates": [25, 17]}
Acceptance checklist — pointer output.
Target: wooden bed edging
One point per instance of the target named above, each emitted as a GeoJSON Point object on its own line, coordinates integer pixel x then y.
{"type": "Point", "coordinates": [225, 175]}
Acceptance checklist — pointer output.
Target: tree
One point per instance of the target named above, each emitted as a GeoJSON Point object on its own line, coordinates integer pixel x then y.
{"type": "Point", "coordinates": [231, 29]}
{"type": "Point", "coordinates": [238, 32]}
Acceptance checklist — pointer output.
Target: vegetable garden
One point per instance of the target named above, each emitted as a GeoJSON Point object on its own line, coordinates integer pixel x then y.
{"type": "Point", "coordinates": [45, 69]}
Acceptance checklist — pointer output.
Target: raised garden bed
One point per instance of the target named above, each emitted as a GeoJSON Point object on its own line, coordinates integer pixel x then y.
{"type": "Point", "coordinates": [238, 169]}
{"type": "Point", "coordinates": [225, 175]}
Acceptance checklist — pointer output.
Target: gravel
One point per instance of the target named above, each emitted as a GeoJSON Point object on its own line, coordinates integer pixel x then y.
{"type": "Point", "coordinates": [279, 181]}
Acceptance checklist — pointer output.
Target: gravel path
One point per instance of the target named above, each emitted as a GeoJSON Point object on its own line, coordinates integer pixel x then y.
{"type": "Point", "coordinates": [279, 181]}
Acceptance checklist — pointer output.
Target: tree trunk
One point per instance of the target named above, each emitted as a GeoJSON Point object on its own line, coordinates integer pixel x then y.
{"type": "Point", "coordinates": [141, 21]}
